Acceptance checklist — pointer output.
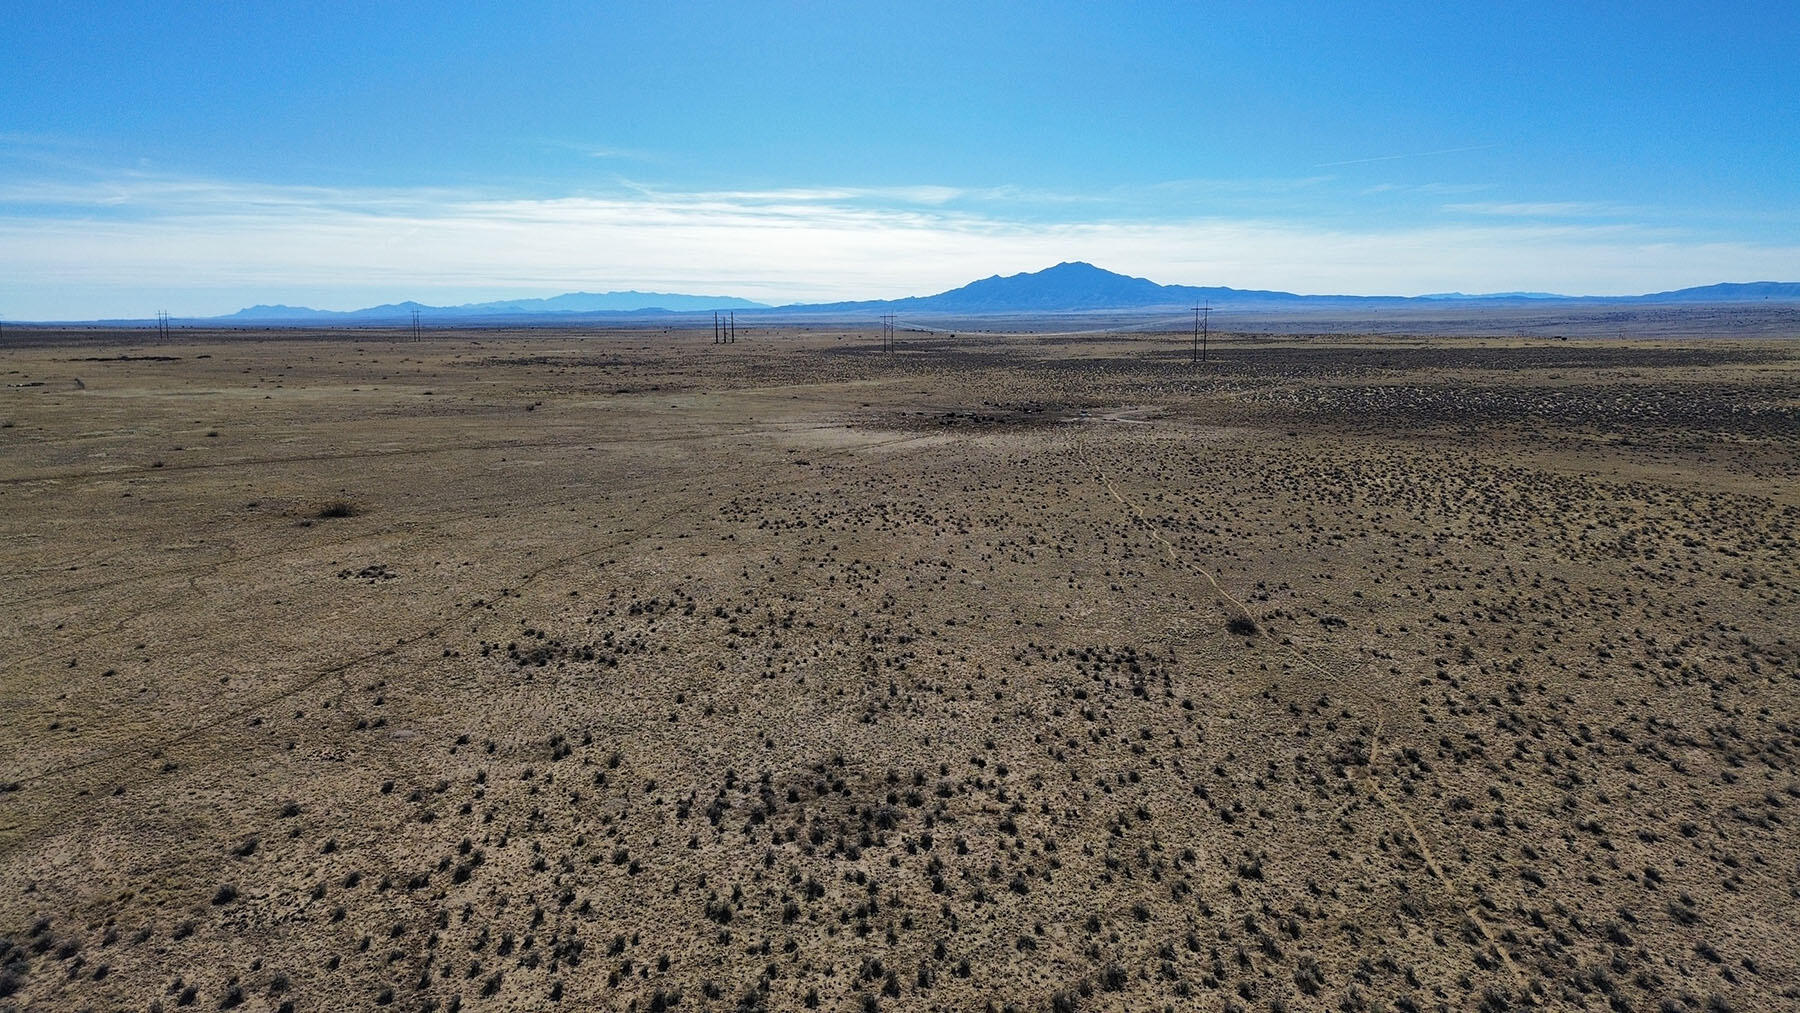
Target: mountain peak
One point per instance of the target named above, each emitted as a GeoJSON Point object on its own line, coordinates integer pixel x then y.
{"type": "Point", "coordinates": [1070, 285]}
{"type": "Point", "coordinates": [1074, 269]}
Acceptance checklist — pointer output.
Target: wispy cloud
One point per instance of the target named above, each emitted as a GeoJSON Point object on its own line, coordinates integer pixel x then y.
{"type": "Point", "coordinates": [625, 154]}
{"type": "Point", "coordinates": [1407, 154]}
{"type": "Point", "coordinates": [83, 250]}
{"type": "Point", "coordinates": [1267, 185]}
{"type": "Point", "coordinates": [923, 194]}
{"type": "Point", "coordinates": [1539, 209]}
{"type": "Point", "coordinates": [1428, 189]}
{"type": "Point", "coordinates": [604, 152]}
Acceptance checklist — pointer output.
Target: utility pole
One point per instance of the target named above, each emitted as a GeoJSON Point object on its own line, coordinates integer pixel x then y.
{"type": "Point", "coordinates": [1202, 327]}
{"type": "Point", "coordinates": [733, 322]}
{"type": "Point", "coordinates": [715, 327]}
{"type": "Point", "coordinates": [415, 325]}
{"type": "Point", "coordinates": [887, 332]}
{"type": "Point", "coordinates": [162, 325]}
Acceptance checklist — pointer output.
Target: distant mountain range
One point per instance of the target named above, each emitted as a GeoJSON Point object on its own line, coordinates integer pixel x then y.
{"type": "Point", "coordinates": [1076, 286]}
{"type": "Point", "coordinates": [1754, 291]}
{"type": "Point", "coordinates": [569, 303]}
{"type": "Point", "coordinates": [1065, 288]}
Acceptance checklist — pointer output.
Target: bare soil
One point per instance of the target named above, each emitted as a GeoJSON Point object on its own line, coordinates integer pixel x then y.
{"type": "Point", "coordinates": [517, 670]}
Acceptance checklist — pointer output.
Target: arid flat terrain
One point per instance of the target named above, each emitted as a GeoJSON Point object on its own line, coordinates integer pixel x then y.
{"type": "Point", "coordinates": [619, 670]}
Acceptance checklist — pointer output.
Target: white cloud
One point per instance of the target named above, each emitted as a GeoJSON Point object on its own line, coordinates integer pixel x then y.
{"type": "Point", "coordinates": [1441, 189]}
{"type": "Point", "coordinates": [1539, 209]}
{"type": "Point", "coordinates": [201, 247]}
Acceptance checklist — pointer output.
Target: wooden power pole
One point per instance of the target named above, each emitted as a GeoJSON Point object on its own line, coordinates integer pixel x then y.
{"type": "Point", "coordinates": [1202, 327]}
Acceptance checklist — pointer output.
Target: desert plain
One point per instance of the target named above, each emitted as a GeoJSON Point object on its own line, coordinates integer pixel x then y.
{"type": "Point", "coordinates": [616, 669]}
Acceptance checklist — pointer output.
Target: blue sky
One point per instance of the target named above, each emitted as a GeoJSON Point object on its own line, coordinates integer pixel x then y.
{"type": "Point", "coordinates": [201, 157]}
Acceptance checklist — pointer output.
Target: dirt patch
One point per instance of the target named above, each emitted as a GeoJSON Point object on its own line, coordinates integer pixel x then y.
{"type": "Point", "coordinates": [1332, 674]}
{"type": "Point", "coordinates": [129, 358]}
{"type": "Point", "coordinates": [986, 416]}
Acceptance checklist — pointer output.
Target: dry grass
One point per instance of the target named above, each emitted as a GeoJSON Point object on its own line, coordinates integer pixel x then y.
{"type": "Point", "coordinates": [337, 508]}
{"type": "Point", "coordinates": [1025, 672]}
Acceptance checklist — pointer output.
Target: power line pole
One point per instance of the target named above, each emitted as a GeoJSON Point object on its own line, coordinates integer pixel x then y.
{"type": "Point", "coordinates": [415, 325]}
{"type": "Point", "coordinates": [1202, 328]}
{"type": "Point", "coordinates": [887, 332]}
{"type": "Point", "coordinates": [733, 320]}
{"type": "Point", "coordinates": [1205, 328]}
{"type": "Point", "coordinates": [162, 325]}
{"type": "Point", "coordinates": [715, 327]}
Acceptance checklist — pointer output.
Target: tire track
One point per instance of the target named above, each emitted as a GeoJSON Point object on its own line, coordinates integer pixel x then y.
{"type": "Point", "coordinates": [340, 668]}
{"type": "Point", "coordinates": [1370, 781]}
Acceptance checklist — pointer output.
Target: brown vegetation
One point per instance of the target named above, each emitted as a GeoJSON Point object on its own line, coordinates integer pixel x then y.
{"type": "Point", "coordinates": [1007, 672]}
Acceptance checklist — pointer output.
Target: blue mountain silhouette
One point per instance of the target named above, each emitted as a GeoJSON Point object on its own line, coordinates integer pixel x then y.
{"type": "Point", "coordinates": [1071, 286]}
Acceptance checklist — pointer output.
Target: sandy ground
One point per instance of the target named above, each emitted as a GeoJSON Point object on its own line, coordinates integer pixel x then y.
{"type": "Point", "coordinates": [519, 670]}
